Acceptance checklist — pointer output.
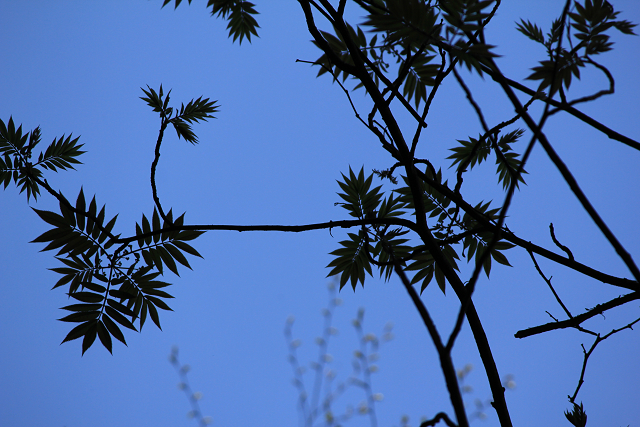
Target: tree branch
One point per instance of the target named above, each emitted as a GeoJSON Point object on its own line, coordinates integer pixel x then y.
{"type": "Point", "coordinates": [588, 353]}
{"type": "Point", "coordinates": [286, 228]}
{"type": "Point", "coordinates": [577, 320]}
{"type": "Point", "coordinates": [446, 363]}
{"type": "Point", "coordinates": [154, 165]}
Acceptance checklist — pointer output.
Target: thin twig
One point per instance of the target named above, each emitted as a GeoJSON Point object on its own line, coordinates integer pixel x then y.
{"type": "Point", "coordinates": [558, 244]}
{"type": "Point", "coordinates": [555, 294]}
{"type": "Point", "coordinates": [597, 341]}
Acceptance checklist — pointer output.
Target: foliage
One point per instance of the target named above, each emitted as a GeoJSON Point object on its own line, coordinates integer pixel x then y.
{"type": "Point", "coordinates": [239, 13]}
{"type": "Point", "coordinates": [590, 23]}
{"type": "Point", "coordinates": [419, 229]}
{"type": "Point", "coordinates": [113, 283]}
{"type": "Point", "coordinates": [17, 150]}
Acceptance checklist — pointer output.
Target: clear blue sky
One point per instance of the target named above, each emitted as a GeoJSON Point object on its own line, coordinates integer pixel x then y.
{"type": "Point", "coordinates": [281, 139]}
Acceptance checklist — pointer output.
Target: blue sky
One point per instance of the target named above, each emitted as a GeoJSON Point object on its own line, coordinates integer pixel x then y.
{"type": "Point", "coordinates": [272, 156]}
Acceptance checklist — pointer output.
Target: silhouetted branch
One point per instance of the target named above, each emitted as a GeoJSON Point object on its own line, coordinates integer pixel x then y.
{"type": "Point", "coordinates": [597, 341]}
{"type": "Point", "coordinates": [558, 244]}
{"type": "Point", "coordinates": [154, 165]}
{"type": "Point", "coordinates": [550, 285]}
{"type": "Point", "coordinates": [577, 320]}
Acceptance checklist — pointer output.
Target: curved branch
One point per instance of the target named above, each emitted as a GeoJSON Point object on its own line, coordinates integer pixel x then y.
{"type": "Point", "coordinates": [154, 165]}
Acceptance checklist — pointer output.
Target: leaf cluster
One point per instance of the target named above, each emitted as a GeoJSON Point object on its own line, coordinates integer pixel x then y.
{"type": "Point", "coordinates": [160, 247]}
{"type": "Point", "coordinates": [195, 111]}
{"type": "Point", "coordinates": [590, 22]}
{"type": "Point", "coordinates": [467, 18]}
{"type": "Point", "coordinates": [112, 287]}
{"type": "Point", "coordinates": [577, 417]}
{"type": "Point", "coordinates": [112, 284]}
{"type": "Point", "coordinates": [474, 151]}
{"type": "Point", "coordinates": [388, 247]}
{"type": "Point", "coordinates": [238, 13]}
{"type": "Point", "coordinates": [16, 152]}
{"type": "Point", "coordinates": [410, 32]}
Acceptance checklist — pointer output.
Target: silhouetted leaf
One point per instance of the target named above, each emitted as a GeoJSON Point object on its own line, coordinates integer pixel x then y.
{"type": "Point", "coordinates": [105, 337]}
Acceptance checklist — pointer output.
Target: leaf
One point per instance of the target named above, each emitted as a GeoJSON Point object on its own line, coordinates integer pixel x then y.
{"type": "Point", "coordinates": [186, 248]}
{"type": "Point", "coordinates": [61, 154]}
{"type": "Point", "coordinates": [80, 210]}
{"type": "Point", "coordinates": [82, 316]}
{"type": "Point", "coordinates": [89, 338]}
{"type": "Point", "coordinates": [94, 287]}
{"type": "Point", "coordinates": [531, 30]}
{"type": "Point", "coordinates": [159, 303]}
{"type": "Point", "coordinates": [119, 318]}
{"type": "Point", "coordinates": [155, 221]}
{"type": "Point", "coordinates": [51, 218]}
{"type": "Point", "coordinates": [177, 255]}
{"type": "Point", "coordinates": [187, 235]}
{"type": "Point", "coordinates": [88, 297]}
{"type": "Point", "coordinates": [119, 307]}
{"type": "Point", "coordinates": [500, 258]}
{"type": "Point", "coordinates": [143, 313]}
{"type": "Point", "coordinates": [119, 293]}
{"type": "Point", "coordinates": [79, 331]}
{"type": "Point", "coordinates": [53, 235]}
{"type": "Point", "coordinates": [239, 14]}
{"type": "Point", "coordinates": [146, 229]}
{"type": "Point", "coordinates": [440, 279]}
{"type": "Point", "coordinates": [198, 110]}
{"type": "Point", "coordinates": [352, 260]}
{"type": "Point", "coordinates": [107, 229]}
{"type": "Point", "coordinates": [113, 329]}
{"type": "Point", "coordinates": [153, 284]}
{"type": "Point", "coordinates": [153, 99]}
{"type": "Point", "coordinates": [156, 292]}
{"type": "Point", "coordinates": [83, 307]}
{"type": "Point", "coordinates": [167, 259]}
{"type": "Point", "coordinates": [153, 313]}
{"type": "Point", "coordinates": [105, 337]}
{"type": "Point", "coordinates": [577, 417]}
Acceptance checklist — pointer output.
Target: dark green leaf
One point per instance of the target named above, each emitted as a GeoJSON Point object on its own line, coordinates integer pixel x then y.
{"type": "Point", "coordinates": [158, 302]}
{"type": "Point", "coordinates": [105, 337]}
{"type": "Point", "coordinates": [83, 307]}
{"type": "Point", "coordinates": [167, 259]}
{"type": "Point", "coordinates": [120, 307]}
{"type": "Point", "coordinates": [113, 329]}
{"type": "Point", "coordinates": [119, 318]}
{"type": "Point", "coordinates": [81, 316]}
{"type": "Point", "coordinates": [79, 331]}
{"type": "Point", "coordinates": [153, 313]}
{"type": "Point", "coordinates": [80, 210]}
{"type": "Point", "coordinates": [89, 297]}
{"type": "Point", "coordinates": [89, 337]}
